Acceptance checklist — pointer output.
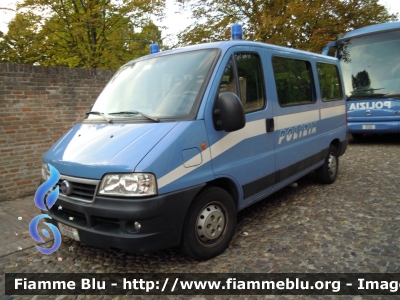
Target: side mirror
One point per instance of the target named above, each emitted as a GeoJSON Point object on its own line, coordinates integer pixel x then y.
{"type": "Point", "coordinates": [228, 112]}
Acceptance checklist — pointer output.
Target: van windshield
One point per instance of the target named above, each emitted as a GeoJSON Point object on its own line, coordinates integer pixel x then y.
{"type": "Point", "coordinates": [168, 86]}
{"type": "Point", "coordinates": [371, 65]}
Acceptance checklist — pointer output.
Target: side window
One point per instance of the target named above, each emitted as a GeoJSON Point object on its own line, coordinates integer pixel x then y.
{"type": "Point", "coordinates": [244, 78]}
{"type": "Point", "coordinates": [250, 81]}
{"type": "Point", "coordinates": [329, 82]}
{"type": "Point", "coordinates": [294, 82]}
{"type": "Point", "coordinates": [228, 80]}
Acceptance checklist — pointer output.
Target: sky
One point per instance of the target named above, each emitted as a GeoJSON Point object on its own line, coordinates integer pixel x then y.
{"type": "Point", "coordinates": [175, 21]}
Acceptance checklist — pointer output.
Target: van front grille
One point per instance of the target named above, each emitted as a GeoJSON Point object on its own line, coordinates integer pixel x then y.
{"type": "Point", "coordinates": [80, 189]}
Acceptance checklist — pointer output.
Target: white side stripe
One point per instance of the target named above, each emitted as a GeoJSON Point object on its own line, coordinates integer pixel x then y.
{"type": "Point", "coordinates": [182, 171]}
{"type": "Point", "coordinates": [333, 111]}
{"type": "Point", "coordinates": [295, 119]}
{"type": "Point", "coordinates": [251, 129]}
{"type": "Point", "coordinates": [291, 120]}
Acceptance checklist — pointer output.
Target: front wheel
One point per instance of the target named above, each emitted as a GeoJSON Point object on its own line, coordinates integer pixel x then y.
{"type": "Point", "coordinates": [209, 224]}
{"type": "Point", "coordinates": [327, 173]}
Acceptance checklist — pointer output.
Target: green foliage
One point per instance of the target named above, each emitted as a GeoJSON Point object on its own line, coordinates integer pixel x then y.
{"type": "Point", "coordinates": [301, 24]}
{"type": "Point", "coordinates": [22, 47]}
{"type": "Point", "coordinates": [101, 34]}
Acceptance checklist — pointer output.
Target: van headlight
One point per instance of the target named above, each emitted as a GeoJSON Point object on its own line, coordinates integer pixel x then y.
{"type": "Point", "coordinates": [135, 184]}
{"type": "Point", "coordinates": [45, 172]}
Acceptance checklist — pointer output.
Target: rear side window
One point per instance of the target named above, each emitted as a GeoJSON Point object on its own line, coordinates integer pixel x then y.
{"type": "Point", "coordinates": [329, 82]}
{"type": "Point", "coordinates": [243, 76]}
{"type": "Point", "coordinates": [294, 82]}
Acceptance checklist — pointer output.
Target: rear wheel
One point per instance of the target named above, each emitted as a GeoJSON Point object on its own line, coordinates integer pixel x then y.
{"type": "Point", "coordinates": [327, 173]}
{"type": "Point", "coordinates": [209, 224]}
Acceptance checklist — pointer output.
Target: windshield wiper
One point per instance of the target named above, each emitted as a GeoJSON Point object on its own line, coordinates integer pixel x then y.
{"type": "Point", "coordinates": [373, 96]}
{"type": "Point", "coordinates": [366, 96]}
{"type": "Point", "coordinates": [396, 96]}
{"type": "Point", "coordinates": [134, 112]}
{"type": "Point", "coordinates": [358, 93]}
{"type": "Point", "coordinates": [99, 114]}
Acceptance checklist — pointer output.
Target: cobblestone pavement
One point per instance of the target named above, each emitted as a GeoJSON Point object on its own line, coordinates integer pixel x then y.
{"type": "Point", "coordinates": [352, 225]}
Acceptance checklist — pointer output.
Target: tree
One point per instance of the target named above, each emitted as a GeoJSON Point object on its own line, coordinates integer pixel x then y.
{"type": "Point", "coordinates": [100, 34]}
{"type": "Point", "coordinates": [22, 46]}
{"type": "Point", "coordinates": [301, 24]}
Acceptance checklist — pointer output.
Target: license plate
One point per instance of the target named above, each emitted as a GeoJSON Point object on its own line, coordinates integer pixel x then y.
{"type": "Point", "coordinates": [368, 127]}
{"type": "Point", "coordinates": [69, 231]}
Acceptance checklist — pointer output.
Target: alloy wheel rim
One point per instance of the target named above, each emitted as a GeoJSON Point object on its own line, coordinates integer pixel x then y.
{"type": "Point", "coordinates": [332, 165]}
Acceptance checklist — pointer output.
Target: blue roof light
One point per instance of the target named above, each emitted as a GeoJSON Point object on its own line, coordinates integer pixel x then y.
{"type": "Point", "coordinates": [236, 32]}
{"type": "Point", "coordinates": [154, 48]}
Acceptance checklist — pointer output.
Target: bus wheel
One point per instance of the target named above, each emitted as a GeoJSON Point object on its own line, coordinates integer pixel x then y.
{"type": "Point", "coordinates": [327, 173]}
{"type": "Point", "coordinates": [209, 224]}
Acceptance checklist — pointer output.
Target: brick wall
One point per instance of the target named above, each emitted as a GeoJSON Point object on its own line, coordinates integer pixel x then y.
{"type": "Point", "coordinates": [37, 106]}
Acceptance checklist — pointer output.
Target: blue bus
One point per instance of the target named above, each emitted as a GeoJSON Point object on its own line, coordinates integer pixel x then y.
{"type": "Point", "coordinates": [370, 63]}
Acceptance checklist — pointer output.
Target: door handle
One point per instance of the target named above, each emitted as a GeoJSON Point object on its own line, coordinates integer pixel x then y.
{"type": "Point", "coordinates": [270, 125]}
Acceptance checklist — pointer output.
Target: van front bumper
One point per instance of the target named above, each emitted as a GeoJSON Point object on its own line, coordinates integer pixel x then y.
{"type": "Point", "coordinates": [109, 222]}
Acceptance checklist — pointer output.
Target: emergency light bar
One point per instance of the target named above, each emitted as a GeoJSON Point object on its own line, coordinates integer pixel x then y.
{"type": "Point", "coordinates": [154, 48]}
{"type": "Point", "coordinates": [236, 32]}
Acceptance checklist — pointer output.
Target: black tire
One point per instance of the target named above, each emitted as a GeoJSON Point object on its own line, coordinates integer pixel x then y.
{"type": "Point", "coordinates": [327, 173]}
{"type": "Point", "coordinates": [209, 224]}
{"type": "Point", "coordinates": [357, 136]}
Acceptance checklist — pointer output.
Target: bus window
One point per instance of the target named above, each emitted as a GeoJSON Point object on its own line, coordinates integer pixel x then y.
{"type": "Point", "coordinates": [371, 64]}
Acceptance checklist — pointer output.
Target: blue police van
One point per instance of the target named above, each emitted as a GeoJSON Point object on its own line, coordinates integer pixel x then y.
{"type": "Point", "coordinates": [370, 63]}
{"type": "Point", "coordinates": [179, 141]}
